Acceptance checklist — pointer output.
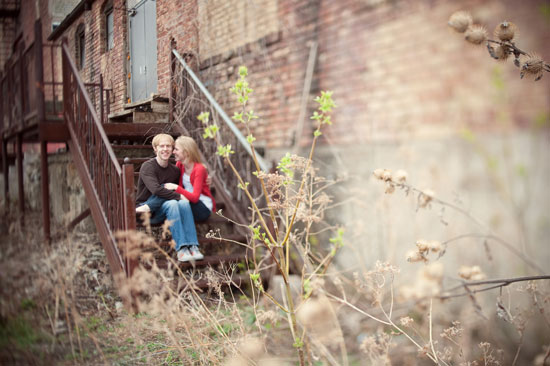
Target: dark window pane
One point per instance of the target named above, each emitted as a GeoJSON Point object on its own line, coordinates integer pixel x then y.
{"type": "Point", "coordinates": [109, 29]}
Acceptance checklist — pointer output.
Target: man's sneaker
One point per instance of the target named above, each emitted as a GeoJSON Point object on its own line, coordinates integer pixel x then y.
{"type": "Point", "coordinates": [196, 253]}
{"type": "Point", "coordinates": [143, 208]}
{"type": "Point", "coordinates": [184, 255]}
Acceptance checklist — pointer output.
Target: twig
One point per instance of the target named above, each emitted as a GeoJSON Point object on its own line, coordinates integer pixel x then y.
{"type": "Point", "coordinates": [431, 337]}
{"type": "Point", "coordinates": [546, 356]}
{"type": "Point", "coordinates": [497, 282]}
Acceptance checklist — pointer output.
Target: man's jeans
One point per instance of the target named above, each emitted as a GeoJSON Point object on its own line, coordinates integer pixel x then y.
{"type": "Point", "coordinates": [182, 225]}
{"type": "Point", "coordinates": [200, 211]}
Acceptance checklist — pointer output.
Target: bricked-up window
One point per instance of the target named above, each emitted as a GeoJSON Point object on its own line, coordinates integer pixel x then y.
{"type": "Point", "coordinates": [80, 43]}
{"type": "Point", "coordinates": [109, 41]}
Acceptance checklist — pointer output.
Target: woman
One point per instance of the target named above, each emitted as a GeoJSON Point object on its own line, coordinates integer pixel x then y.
{"type": "Point", "coordinates": [193, 180]}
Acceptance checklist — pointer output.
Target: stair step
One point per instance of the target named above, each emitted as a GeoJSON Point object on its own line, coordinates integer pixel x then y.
{"type": "Point", "coordinates": [121, 116]}
{"type": "Point", "coordinates": [129, 160]}
{"type": "Point", "coordinates": [236, 280]}
{"type": "Point", "coordinates": [135, 131]}
{"type": "Point", "coordinates": [145, 102]}
{"type": "Point", "coordinates": [214, 259]}
{"type": "Point", "coordinates": [225, 239]}
{"type": "Point", "coordinates": [125, 147]}
{"type": "Point", "coordinates": [149, 117]}
{"type": "Point", "coordinates": [207, 261]}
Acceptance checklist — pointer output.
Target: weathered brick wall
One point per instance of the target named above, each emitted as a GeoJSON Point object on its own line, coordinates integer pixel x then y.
{"type": "Point", "coordinates": [226, 25]}
{"type": "Point", "coordinates": [175, 20]}
{"type": "Point", "coordinates": [277, 66]}
{"type": "Point", "coordinates": [396, 69]}
{"type": "Point", "coordinates": [111, 64]}
{"type": "Point", "coordinates": [400, 72]}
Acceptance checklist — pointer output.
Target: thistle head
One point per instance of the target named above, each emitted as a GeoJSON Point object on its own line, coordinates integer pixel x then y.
{"type": "Point", "coordinates": [476, 34]}
{"type": "Point", "coordinates": [505, 31]}
{"type": "Point", "coordinates": [460, 21]}
{"type": "Point", "coordinates": [532, 65]}
{"type": "Point", "coordinates": [501, 52]}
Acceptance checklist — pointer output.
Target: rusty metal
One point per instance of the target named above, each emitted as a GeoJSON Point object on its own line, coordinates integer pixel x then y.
{"type": "Point", "coordinates": [53, 132]}
{"type": "Point", "coordinates": [44, 181]}
{"type": "Point", "coordinates": [19, 163]}
{"type": "Point", "coordinates": [188, 103]}
{"type": "Point", "coordinates": [101, 174]}
{"type": "Point", "coordinates": [5, 170]}
{"type": "Point", "coordinates": [129, 213]}
{"type": "Point", "coordinates": [77, 220]}
{"type": "Point", "coordinates": [101, 111]}
{"type": "Point", "coordinates": [135, 130]}
{"type": "Point", "coordinates": [171, 89]}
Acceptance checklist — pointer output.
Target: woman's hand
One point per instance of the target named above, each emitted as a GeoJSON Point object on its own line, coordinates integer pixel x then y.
{"type": "Point", "coordinates": [171, 186]}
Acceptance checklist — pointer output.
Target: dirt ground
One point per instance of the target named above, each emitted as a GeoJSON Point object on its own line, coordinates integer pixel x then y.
{"type": "Point", "coordinates": [38, 282]}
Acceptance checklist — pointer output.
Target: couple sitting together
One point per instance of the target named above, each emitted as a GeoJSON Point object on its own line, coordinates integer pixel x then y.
{"type": "Point", "coordinates": [178, 193]}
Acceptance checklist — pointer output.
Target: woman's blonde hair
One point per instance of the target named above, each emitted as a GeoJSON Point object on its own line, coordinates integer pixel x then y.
{"type": "Point", "coordinates": [187, 144]}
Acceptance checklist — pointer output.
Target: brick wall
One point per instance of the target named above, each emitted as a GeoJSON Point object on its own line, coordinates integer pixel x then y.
{"type": "Point", "coordinates": [111, 64]}
{"type": "Point", "coordinates": [396, 69]}
{"type": "Point", "coordinates": [227, 25]}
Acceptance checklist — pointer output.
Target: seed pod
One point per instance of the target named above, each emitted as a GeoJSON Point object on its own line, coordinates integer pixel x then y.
{"type": "Point", "coordinates": [501, 52]}
{"type": "Point", "coordinates": [460, 21]}
{"type": "Point", "coordinates": [400, 176]}
{"type": "Point", "coordinates": [532, 65]}
{"type": "Point", "coordinates": [505, 31]}
{"type": "Point", "coordinates": [476, 34]}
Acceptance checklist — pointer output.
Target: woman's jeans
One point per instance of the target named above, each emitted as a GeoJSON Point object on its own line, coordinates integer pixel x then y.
{"type": "Point", "coordinates": [200, 211]}
{"type": "Point", "coordinates": [182, 225]}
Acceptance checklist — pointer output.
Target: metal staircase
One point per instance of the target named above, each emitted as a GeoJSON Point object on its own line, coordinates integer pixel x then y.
{"type": "Point", "coordinates": [107, 152]}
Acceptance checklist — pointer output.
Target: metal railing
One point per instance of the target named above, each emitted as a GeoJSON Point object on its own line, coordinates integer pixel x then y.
{"type": "Point", "coordinates": [189, 97]}
{"type": "Point", "coordinates": [109, 187]}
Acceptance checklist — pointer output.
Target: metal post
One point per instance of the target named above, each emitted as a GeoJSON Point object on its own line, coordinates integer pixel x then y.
{"type": "Point", "coordinates": [6, 170]}
{"type": "Point", "coordinates": [22, 87]}
{"type": "Point", "coordinates": [39, 69]}
{"type": "Point", "coordinates": [19, 154]}
{"type": "Point", "coordinates": [102, 120]}
{"type": "Point", "coordinates": [171, 90]}
{"type": "Point", "coordinates": [45, 183]}
{"type": "Point", "coordinates": [129, 199]}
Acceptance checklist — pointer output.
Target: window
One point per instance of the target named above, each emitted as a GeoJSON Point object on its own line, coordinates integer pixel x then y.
{"type": "Point", "coordinates": [109, 42]}
{"type": "Point", "coordinates": [80, 38]}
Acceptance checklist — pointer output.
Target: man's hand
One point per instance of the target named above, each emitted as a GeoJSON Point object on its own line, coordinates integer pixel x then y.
{"type": "Point", "coordinates": [182, 197]}
{"type": "Point", "coordinates": [171, 186]}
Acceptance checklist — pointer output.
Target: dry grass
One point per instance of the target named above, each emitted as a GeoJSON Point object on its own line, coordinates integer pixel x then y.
{"type": "Point", "coordinates": [59, 307]}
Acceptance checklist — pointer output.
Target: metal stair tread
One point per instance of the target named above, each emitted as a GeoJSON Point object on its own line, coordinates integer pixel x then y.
{"type": "Point", "coordinates": [207, 260]}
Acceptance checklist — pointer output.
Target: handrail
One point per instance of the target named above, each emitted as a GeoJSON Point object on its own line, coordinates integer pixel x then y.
{"type": "Point", "coordinates": [221, 112]}
{"type": "Point", "coordinates": [106, 184]}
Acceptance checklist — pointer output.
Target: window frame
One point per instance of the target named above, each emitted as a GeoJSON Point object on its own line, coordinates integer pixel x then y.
{"type": "Point", "coordinates": [80, 46]}
{"type": "Point", "coordinates": [109, 43]}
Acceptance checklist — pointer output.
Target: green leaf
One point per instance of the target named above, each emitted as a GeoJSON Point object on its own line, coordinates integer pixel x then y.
{"type": "Point", "coordinates": [307, 288]}
{"type": "Point", "coordinates": [238, 116]}
{"type": "Point", "coordinates": [204, 117]}
{"type": "Point", "coordinates": [285, 165]}
{"type": "Point", "coordinates": [468, 135]}
{"type": "Point", "coordinates": [298, 343]}
{"type": "Point", "coordinates": [243, 71]}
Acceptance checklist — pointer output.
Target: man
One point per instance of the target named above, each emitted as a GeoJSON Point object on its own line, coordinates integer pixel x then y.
{"type": "Point", "coordinates": [153, 174]}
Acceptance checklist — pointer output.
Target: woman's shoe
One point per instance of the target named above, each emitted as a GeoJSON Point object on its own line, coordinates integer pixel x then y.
{"type": "Point", "coordinates": [184, 255]}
